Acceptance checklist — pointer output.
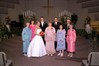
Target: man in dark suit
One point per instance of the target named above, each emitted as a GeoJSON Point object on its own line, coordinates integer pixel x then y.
{"type": "Point", "coordinates": [66, 24]}
{"type": "Point", "coordinates": [43, 26]}
{"type": "Point", "coordinates": [56, 24]}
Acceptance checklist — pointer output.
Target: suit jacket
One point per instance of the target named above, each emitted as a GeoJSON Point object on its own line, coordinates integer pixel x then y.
{"type": "Point", "coordinates": [56, 26]}
{"type": "Point", "coordinates": [65, 27]}
{"type": "Point", "coordinates": [44, 26]}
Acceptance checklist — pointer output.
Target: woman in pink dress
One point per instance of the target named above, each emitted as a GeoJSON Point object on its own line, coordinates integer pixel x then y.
{"type": "Point", "coordinates": [71, 40]}
{"type": "Point", "coordinates": [32, 27]}
{"type": "Point", "coordinates": [50, 39]}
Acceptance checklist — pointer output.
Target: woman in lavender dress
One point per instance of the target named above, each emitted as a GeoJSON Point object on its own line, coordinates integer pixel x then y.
{"type": "Point", "coordinates": [61, 40]}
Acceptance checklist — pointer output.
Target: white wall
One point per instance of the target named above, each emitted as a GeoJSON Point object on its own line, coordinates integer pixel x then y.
{"type": "Point", "coordinates": [82, 13]}
{"type": "Point", "coordinates": [37, 7]}
{"type": "Point", "coordinates": [19, 8]}
{"type": "Point", "coordinates": [59, 5]}
{"type": "Point", "coordinates": [14, 12]}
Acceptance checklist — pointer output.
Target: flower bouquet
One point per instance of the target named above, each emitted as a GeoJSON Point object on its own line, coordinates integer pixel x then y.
{"type": "Point", "coordinates": [41, 33]}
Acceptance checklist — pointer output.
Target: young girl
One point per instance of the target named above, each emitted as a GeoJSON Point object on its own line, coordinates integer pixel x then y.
{"type": "Point", "coordinates": [61, 40]}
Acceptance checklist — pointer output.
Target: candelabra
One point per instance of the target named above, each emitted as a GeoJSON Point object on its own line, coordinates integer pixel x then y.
{"type": "Point", "coordinates": [65, 12]}
{"type": "Point", "coordinates": [28, 15]}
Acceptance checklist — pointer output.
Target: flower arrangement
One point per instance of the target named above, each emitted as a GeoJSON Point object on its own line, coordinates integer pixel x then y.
{"type": "Point", "coordinates": [29, 15]}
{"type": "Point", "coordinates": [64, 18]}
{"type": "Point", "coordinates": [41, 33]}
{"type": "Point", "coordinates": [27, 18]}
{"type": "Point", "coordinates": [2, 32]}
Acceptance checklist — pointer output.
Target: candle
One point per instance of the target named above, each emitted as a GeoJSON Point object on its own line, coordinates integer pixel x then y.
{"type": "Point", "coordinates": [29, 13]}
{"type": "Point", "coordinates": [25, 14]}
{"type": "Point", "coordinates": [59, 14]}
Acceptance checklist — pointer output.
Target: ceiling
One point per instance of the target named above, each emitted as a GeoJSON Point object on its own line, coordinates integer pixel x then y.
{"type": "Point", "coordinates": [5, 4]}
{"type": "Point", "coordinates": [91, 5]}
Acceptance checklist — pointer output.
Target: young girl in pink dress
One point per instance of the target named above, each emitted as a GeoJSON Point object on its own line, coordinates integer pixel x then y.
{"type": "Point", "coordinates": [32, 27]}
{"type": "Point", "coordinates": [71, 40]}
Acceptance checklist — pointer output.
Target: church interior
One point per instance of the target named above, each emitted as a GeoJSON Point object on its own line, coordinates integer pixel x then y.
{"type": "Point", "coordinates": [14, 13]}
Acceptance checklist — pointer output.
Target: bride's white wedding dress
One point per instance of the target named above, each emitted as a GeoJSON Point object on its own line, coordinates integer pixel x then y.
{"type": "Point", "coordinates": [36, 47]}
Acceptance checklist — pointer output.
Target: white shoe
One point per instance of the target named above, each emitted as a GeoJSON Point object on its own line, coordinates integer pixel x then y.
{"type": "Point", "coordinates": [71, 55]}
{"type": "Point", "coordinates": [51, 54]}
{"type": "Point", "coordinates": [47, 54]}
{"type": "Point", "coordinates": [25, 54]}
{"type": "Point", "coordinates": [59, 54]}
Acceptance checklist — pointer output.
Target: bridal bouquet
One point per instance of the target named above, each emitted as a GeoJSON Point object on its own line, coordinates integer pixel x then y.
{"type": "Point", "coordinates": [41, 33]}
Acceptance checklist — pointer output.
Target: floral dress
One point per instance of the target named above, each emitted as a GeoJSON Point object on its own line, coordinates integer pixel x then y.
{"type": "Point", "coordinates": [61, 40]}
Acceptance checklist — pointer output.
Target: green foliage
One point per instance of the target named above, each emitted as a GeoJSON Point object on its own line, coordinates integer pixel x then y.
{"type": "Point", "coordinates": [3, 32]}
{"type": "Point", "coordinates": [30, 18]}
{"type": "Point", "coordinates": [17, 31]}
{"type": "Point", "coordinates": [64, 18]}
{"type": "Point", "coordinates": [83, 33]}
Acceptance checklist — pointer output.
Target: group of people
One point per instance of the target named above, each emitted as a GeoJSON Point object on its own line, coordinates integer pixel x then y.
{"type": "Point", "coordinates": [55, 37]}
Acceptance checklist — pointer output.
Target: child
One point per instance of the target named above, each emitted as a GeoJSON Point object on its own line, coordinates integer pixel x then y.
{"type": "Point", "coordinates": [26, 37]}
{"type": "Point", "coordinates": [61, 40]}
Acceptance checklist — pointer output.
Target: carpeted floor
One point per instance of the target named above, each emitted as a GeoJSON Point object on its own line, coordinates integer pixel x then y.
{"type": "Point", "coordinates": [13, 48]}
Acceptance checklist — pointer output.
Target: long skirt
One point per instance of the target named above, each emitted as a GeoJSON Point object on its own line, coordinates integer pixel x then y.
{"type": "Point", "coordinates": [50, 48]}
{"type": "Point", "coordinates": [70, 46]}
{"type": "Point", "coordinates": [36, 47]}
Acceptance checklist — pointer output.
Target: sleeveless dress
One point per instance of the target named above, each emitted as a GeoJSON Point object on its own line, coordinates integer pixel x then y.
{"type": "Point", "coordinates": [36, 47]}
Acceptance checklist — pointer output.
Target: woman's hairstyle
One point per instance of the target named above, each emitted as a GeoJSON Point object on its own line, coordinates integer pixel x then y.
{"type": "Point", "coordinates": [71, 25]}
{"type": "Point", "coordinates": [31, 21]}
{"type": "Point", "coordinates": [26, 23]}
{"type": "Point", "coordinates": [49, 22]}
{"type": "Point", "coordinates": [37, 22]}
{"type": "Point", "coordinates": [41, 17]}
{"type": "Point", "coordinates": [61, 25]}
{"type": "Point", "coordinates": [55, 17]}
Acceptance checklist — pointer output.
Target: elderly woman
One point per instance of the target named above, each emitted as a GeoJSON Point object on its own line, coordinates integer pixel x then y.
{"type": "Point", "coordinates": [26, 37]}
{"type": "Point", "coordinates": [71, 40]}
{"type": "Point", "coordinates": [50, 39]}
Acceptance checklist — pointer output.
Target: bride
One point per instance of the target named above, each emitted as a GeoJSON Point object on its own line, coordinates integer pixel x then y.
{"type": "Point", "coordinates": [36, 47]}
